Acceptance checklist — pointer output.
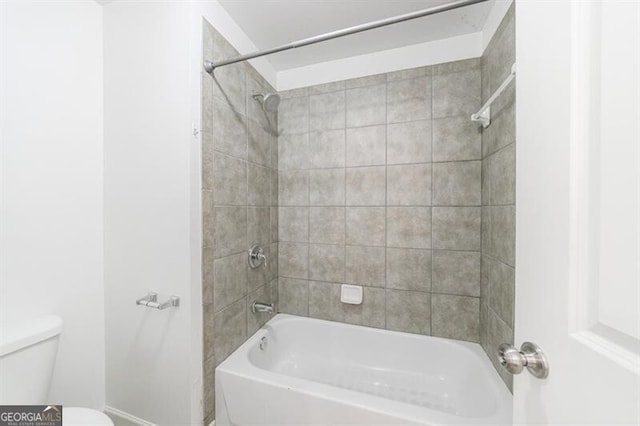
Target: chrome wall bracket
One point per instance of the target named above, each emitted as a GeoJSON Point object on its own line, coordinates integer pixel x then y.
{"type": "Point", "coordinates": [530, 355]}
{"type": "Point", "coordinates": [483, 117]}
{"type": "Point", "coordinates": [151, 301]}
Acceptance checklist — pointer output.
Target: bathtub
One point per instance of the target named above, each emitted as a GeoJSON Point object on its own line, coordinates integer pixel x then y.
{"type": "Point", "coordinates": [302, 371]}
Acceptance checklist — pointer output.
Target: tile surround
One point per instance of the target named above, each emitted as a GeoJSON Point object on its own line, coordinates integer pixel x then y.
{"type": "Point", "coordinates": [409, 185]}
{"type": "Point", "coordinates": [327, 111]}
{"type": "Point", "coordinates": [239, 203]}
{"type": "Point", "coordinates": [366, 226]}
{"type": "Point", "coordinates": [370, 185]}
{"type": "Point", "coordinates": [409, 100]}
{"type": "Point", "coordinates": [379, 181]}
{"type": "Point", "coordinates": [456, 139]}
{"type": "Point", "coordinates": [327, 225]}
{"type": "Point", "coordinates": [293, 260]}
{"type": "Point", "coordinates": [230, 280]}
{"type": "Point", "coordinates": [409, 311]}
{"type": "Point", "coordinates": [366, 106]}
{"type": "Point", "coordinates": [230, 330]}
{"type": "Point", "coordinates": [293, 296]}
{"type": "Point", "coordinates": [409, 142]}
{"type": "Point", "coordinates": [327, 187]}
{"type": "Point", "coordinates": [365, 266]}
{"type": "Point", "coordinates": [293, 188]}
{"type": "Point", "coordinates": [366, 146]}
{"type": "Point", "coordinates": [327, 148]}
{"type": "Point", "coordinates": [456, 93]}
{"type": "Point", "coordinates": [409, 227]}
{"type": "Point", "coordinates": [498, 197]}
{"type": "Point", "coordinates": [409, 269]}
{"type": "Point", "coordinates": [294, 224]}
{"type": "Point", "coordinates": [457, 183]}
{"type": "Point", "coordinates": [455, 317]}
{"type": "Point", "coordinates": [365, 186]}
{"type": "Point", "coordinates": [326, 262]}
{"type": "Point", "coordinates": [456, 272]}
{"type": "Point", "coordinates": [456, 228]}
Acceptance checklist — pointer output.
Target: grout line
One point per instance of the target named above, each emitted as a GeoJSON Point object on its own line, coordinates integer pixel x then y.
{"type": "Point", "coordinates": [492, 153]}
{"type": "Point", "coordinates": [374, 206]}
{"type": "Point", "coordinates": [346, 126]}
{"type": "Point", "coordinates": [474, 160]}
{"type": "Point", "coordinates": [344, 277]}
{"type": "Point", "coordinates": [308, 160]}
{"type": "Point", "coordinates": [386, 195]}
{"type": "Point", "coordinates": [431, 211]}
{"type": "Point", "coordinates": [246, 235]}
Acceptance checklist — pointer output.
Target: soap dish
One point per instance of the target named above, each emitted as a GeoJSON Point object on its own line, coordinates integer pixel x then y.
{"type": "Point", "coordinates": [351, 294]}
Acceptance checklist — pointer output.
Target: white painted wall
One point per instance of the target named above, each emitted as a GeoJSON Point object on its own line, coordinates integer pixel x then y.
{"type": "Point", "coordinates": [152, 356]}
{"type": "Point", "coordinates": [51, 220]}
{"type": "Point", "coordinates": [417, 55]}
{"type": "Point", "coordinates": [217, 16]}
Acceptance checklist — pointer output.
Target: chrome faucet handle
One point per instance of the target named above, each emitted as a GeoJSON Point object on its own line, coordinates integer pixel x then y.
{"type": "Point", "coordinates": [263, 258]}
{"type": "Point", "coordinates": [257, 257]}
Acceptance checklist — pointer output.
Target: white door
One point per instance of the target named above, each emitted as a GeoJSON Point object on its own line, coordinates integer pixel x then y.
{"type": "Point", "coordinates": [578, 210]}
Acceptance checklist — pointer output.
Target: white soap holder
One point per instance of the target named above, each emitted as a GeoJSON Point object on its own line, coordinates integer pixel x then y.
{"type": "Point", "coordinates": [351, 294]}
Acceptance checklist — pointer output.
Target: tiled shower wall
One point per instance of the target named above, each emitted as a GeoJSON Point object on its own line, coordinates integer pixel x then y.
{"type": "Point", "coordinates": [384, 182]}
{"type": "Point", "coordinates": [239, 199]}
{"type": "Point", "coordinates": [498, 197]}
{"type": "Point", "coordinates": [380, 186]}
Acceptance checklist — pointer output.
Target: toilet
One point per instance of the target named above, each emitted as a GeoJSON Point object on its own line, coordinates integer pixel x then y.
{"type": "Point", "coordinates": [27, 356]}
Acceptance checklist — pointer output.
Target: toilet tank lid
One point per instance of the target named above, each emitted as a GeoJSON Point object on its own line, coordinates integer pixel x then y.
{"type": "Point", "coordinates": [29, 332]}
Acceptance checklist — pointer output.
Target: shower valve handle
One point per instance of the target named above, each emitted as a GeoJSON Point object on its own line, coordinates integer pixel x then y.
{"type": "Point", "coordinates": [257, 257]}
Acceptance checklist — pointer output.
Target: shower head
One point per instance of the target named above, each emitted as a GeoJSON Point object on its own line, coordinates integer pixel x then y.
{"type": "Point", "coordinates": [269, 101]}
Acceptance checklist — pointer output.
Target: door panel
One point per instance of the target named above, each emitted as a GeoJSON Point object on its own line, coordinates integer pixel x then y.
{"type": "Point", "coordinates": [578, 210]}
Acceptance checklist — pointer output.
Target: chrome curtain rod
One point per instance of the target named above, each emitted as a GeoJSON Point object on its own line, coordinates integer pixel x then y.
{"type": "Point", "coordinates": [209, 66]}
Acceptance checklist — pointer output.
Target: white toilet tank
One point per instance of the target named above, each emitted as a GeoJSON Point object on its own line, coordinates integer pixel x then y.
{"type": "Point", "coordinates": [27, 355]}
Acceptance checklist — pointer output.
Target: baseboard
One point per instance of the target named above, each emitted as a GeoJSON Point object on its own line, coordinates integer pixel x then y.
{"type": "Point", "coordinates": [120, 418]}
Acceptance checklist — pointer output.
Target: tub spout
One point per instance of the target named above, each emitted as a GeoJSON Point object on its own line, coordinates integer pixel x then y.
{"type": "Point", "coordinates": [259, 307]}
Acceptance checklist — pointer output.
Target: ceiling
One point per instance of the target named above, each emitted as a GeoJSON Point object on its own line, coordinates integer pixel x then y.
{"type": "Point", "coordinates": [270, 23]}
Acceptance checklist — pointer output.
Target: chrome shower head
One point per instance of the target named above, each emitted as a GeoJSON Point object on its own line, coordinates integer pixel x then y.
{"type": "Point", "coordinates": [269, 102]}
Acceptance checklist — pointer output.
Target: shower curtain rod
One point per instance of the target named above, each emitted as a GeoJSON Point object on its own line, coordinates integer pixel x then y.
{"type": "Point", "coordinates": [209, 66]}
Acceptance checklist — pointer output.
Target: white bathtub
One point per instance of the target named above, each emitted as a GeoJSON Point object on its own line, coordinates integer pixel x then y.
{"type": "Point", "coordinates": [314, 372]}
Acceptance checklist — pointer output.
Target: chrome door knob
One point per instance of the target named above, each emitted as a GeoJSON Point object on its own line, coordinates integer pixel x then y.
{"type": "Point", "coordinates": [530, 356]}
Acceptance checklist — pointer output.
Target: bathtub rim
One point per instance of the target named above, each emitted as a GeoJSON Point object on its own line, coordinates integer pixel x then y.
{"type": "Point", "coordinates": [239, 364]}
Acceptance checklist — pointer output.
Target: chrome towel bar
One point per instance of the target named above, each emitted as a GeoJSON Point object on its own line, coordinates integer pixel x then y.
{"type": "Point", "coordinates": [151, 301]}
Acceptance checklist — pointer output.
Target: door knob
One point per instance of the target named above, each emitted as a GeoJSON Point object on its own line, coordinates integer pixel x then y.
{"type": "Point", "coordinates": [530, 355]}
